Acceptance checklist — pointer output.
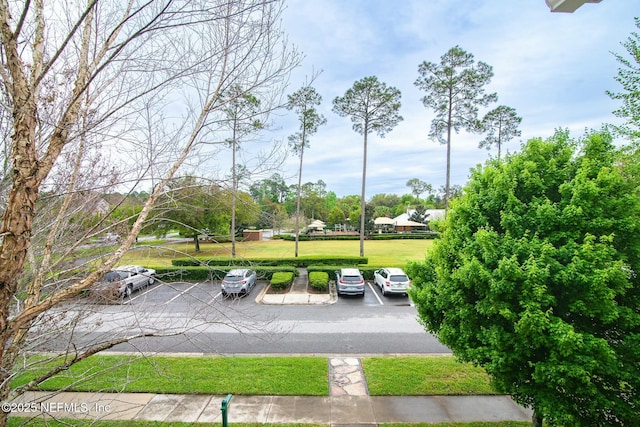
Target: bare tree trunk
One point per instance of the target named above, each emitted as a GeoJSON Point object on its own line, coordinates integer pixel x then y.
{"type": "Point", "coordinates": [298, 195]}
{"type": "Point", "coordinates": [447, 188]}
{"type": "Point", "coordinates": [364, 181]}
{"type": "Point", "coordinates": [234, 191]}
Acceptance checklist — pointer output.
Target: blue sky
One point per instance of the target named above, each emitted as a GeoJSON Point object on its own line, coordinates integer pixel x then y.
{"type": "Point", "coordinates": [552, 68]}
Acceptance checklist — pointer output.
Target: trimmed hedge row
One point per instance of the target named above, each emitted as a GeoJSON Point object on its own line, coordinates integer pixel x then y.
{"type": "Point", "coordinates": [385, 236]}
{"type": "Point", "coordinates": [410, 236]}
{"type": "Point", "coordinates": [188, 274]}
{"type": "Point", "coordinates": [281, 279]}
{"type": "Point", "coordinates": [302, 261]}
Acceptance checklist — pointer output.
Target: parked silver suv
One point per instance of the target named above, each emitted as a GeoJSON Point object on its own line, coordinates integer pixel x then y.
{"type": "Point", "coordinates": [349, 281]}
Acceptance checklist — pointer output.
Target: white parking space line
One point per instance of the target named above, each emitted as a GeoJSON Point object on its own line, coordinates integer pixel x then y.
{"type": "Point", "coordinates": [182, 293]}
{"type": "Point", "coordinates": [215, 297]}
{"type": "Point", "coordinates": [375, 293]}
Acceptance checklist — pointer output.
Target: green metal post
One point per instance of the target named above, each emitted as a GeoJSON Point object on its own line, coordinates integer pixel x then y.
{"type": "Point", "coordinates": [225, 407]}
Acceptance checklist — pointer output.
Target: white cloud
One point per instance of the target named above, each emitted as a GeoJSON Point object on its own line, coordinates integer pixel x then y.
{"type": "Point", "coordinates": [552, 68]}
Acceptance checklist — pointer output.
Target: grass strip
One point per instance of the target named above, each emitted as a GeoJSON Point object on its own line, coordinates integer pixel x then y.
{"type": "Point", "coordinates": [280, 376]}
{"type": "Point", "coordinates": [422, 376]}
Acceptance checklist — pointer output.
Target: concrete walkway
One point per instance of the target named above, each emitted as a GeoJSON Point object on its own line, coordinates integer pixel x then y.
{"type": "Point", "coordinates": [331, 410]}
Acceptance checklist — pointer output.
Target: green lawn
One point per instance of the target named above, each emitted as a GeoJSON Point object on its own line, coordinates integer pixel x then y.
{"type": "Point", "coordinates": [285, 376]}
{"type": "Point", "coordinates": [421, 376]}
{"type": "Point", "coordinates": [380, 252]}
{"type": "Point", "coordinates": [289, 376]}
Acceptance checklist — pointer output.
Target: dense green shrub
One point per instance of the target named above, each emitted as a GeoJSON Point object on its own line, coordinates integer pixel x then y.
{"type": "Point", "coordinates": [319, 280]}
{"type": "Point", "coordinates": [281, 279]}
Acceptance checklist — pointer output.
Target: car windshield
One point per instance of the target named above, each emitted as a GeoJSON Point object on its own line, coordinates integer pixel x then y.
{"type": "Point", "coordinates": [399, 278]}
{"type": "Point", "coordinates": [351, 279]}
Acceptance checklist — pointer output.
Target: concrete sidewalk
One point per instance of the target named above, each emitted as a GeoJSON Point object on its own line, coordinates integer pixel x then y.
{"type": "Point", "coordinates": [331, 410]}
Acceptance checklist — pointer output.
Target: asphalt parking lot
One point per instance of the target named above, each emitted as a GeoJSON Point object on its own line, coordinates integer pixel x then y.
{"type": "Point", "coordinates": [189, 293]}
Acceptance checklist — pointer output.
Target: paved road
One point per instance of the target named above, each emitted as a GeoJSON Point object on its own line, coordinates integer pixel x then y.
{"type": "Point", "coordinates": [198, 320]}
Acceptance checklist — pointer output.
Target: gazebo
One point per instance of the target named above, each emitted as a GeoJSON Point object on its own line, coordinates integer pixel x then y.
{"type": "Point", "coordinates": [383, 223]}
{"type": "Point", "coordinates": [317, 225]}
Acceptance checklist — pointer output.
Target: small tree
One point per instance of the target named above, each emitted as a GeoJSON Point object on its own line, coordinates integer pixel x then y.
{"type": "Point", "coordinates": [303, 102]}
{"type": "Point", "coordinates": [501, 125]}
{"type": "Point", "coordinates": [242, 110]}
{"type": "Point", "coordinates": [373, 107]}
{"type": "Point", "coordinates": [629, 76]}
{"type": "Point", "coordinates": [418, 187]}
{"type": "Point", "coordinates": [455, 90]}
{"type": "Point", "coordinates": [535, 279]}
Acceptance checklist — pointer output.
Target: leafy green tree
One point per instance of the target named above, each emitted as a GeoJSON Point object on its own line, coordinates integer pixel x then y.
{"type": "Point", "coordinates": [373, 107]}
{"type": "Point", "coordinates": [192, 207]}
{"type": "Point", "coordinates": [501, 125]}
{"type": "Point", "coordinates": [535, 278]}
{"type": "Point", "coordinates": [304, 102]}
{"type": "Point", "coordinates": [629, 77]}
{"type": "Point", "coordinates": [336, 216]}
{"type": "Point", "coordinates": [419, 187]}
{"type": "Point", "coordinates": [274, 189]}
{"type": "Point", "coordinates": [312, 199]}
{"type": "Point", "coordinates": [242, 110]}
{"type": "Point", "coordinates": [455, 90]}
{"type": "Point", "coordinates": [381, 211]}
{"type": "Point", "coordinates": [419, 214]}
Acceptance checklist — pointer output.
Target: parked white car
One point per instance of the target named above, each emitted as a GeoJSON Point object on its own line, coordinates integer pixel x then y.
{"type": "Point", "coordinates": [122, 282]}
{"type": "Point", "coordinates": [391, 281]}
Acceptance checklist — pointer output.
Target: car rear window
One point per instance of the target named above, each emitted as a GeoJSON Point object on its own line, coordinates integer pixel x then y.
{"type": "Point", "coordinates": [112, 276]}
{"type": "Point", "coordinates": [351, 279]}
{"type": "Point", "coordinates": [232, 278]}
{"type": "Point", "coordinates": [399, 278]}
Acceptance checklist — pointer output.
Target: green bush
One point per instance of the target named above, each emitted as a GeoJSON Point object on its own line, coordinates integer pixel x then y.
{"type": "Point", "coordinates": [281, 279]}
{"type": "Point", "coordinates": [319, 280]}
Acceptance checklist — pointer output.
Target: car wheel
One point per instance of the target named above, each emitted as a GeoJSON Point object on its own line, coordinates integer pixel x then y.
{"type": "Point", "coordinates": [384, 292]}
{"type": "Point", "coordinates": [151, 280]}
{"type": "Point", "coordinates": [128, 291]}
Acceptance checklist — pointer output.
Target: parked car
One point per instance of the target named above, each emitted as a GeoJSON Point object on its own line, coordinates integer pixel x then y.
{"type": "Point", "coordinates": [392, 281]}
{"type": "Point", "coordinates": [349, 281]}
{"type": "Point", "coordinates": [122, 282]}
{"type": "Point", "coordinates": [238, 282]}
